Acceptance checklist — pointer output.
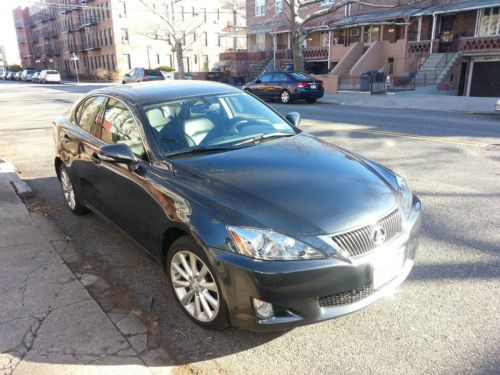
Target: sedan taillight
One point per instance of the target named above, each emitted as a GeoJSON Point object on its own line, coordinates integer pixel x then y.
{"type": "Point", "coordinates": [320, 83]}
{"type": "Point", "coordinates": [303, 84]}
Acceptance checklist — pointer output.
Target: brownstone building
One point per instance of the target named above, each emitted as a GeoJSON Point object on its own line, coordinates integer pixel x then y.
{"type": "Point", "coordinates": [103, 39]}
{"type": "Point", "coordinates": [452, 44]}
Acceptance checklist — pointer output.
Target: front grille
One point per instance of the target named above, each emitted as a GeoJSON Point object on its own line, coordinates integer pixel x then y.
{"type": "Point", "coordinates": [346, 298]}
{"type": "Point", "coordinates": [359, 241]}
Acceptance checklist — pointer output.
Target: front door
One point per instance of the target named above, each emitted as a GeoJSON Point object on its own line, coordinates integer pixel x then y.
{"type": "Point", "coordinates": [125, 196]}
{"type": "Point", "coordinates": [447, 42]}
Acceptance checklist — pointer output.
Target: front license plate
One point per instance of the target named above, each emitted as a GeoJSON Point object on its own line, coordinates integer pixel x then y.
{"type": "Point", "coordinates": [313, 86]}
{"type": "Point", "coordinates": [387, 266]}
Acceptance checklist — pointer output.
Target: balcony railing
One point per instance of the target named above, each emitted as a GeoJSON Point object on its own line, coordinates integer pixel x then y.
{"type": "Point", "coordinates": [315, 53]}
{"type": "Point", "coordinates": [89, 21]}
{"type": "Point", "coordinates": [483, 44]}
{"type": "Point", "coordinates": [92, 45]}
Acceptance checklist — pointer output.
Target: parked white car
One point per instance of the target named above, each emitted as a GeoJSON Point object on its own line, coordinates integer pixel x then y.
{"type": "Point", "coordinates": [49, 76]}
{"type": "Point", "coordinates": [498, 106]}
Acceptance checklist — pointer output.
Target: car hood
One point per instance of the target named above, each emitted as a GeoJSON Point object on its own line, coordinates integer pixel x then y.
{"type": "Point", "coordinates": [298, 185]}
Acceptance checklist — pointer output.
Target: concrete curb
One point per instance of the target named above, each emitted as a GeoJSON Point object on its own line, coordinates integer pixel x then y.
{"type": "Point", "coordinates": [10, 172]}
{"type": "Point", "coordinates": [411, 108]}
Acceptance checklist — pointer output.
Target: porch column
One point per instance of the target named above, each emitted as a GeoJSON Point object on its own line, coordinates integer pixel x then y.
{"type": "Point", "coordinates": [381, 33]}
{"type": "Point", "coordinates": [362, 39]}
{"type": "Point", "coordinates": [469, 78]}
{"type": "Point", "coordinates": [419, 31]}
{"type": "Point", "coordinates": [477, 29]}
{"type": "Point", "coordinates": [289, 40]}
{"type": "Point", "coordinates": [329, 49]}
{"type": "Point", "coordinates": [433, 31]}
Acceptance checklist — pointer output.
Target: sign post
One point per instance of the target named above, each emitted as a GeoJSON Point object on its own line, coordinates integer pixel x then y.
{"type": "Point", "coordinates": [74, 57]}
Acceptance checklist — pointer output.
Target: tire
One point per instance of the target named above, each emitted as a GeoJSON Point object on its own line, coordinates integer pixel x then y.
{"type": "Point", "coordinates": [124, 83]}
{"type": "Point", "coordinates": [70, 196]}
{"type": "Point", "coordinates": [199, 303]}
{"type": "Point", "coordinates": [285, 97]}
{"type": "Point", "coordinates": [311, 100]}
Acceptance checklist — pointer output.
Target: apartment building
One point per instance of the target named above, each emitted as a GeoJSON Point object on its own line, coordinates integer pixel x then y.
{"type": "Point", "coordinates": [103, 39]}
{"type": "Point", "coordinates": [452, 44]}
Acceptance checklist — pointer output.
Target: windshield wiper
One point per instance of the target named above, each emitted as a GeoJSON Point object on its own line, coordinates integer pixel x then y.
{"type": "Point", "coordinates": [262, 136]}
{"type": "Point", "coordinates": [199, 150]}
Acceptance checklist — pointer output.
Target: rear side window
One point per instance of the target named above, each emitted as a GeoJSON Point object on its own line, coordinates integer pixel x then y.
{"type": "Point", "coordinates": [280, 77]}
{"type": "Point", "coordinates": [153, 72]}
{"type": "Point", "coordinates": [119, 126]}
{"type": "Point", "coordinates": [302, 76]}
{"type": "Point", "coordinates": [266, 78]}
{"type": "Point", "coordinates": [89, 112]}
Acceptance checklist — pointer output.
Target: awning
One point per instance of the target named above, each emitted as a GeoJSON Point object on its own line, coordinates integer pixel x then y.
{"type": "Point", "coordinates": [374, 17]}
{"type": "Point", "coordinates": [458, 7]}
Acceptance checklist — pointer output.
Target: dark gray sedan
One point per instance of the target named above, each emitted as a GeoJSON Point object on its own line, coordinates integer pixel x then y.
{"type": "Point", "coordinates": [257, 223]}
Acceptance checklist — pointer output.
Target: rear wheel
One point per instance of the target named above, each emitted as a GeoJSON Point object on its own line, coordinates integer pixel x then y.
{"type": "Point", "coordinates": [195, 286]}
{"type": "Point", "coordinates": [69, 193]}
{"type": "Point", "coordinates": [285, 97]}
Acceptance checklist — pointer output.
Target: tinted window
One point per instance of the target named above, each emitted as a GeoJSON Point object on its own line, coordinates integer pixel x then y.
{"type": "Point", "coordinates": [89, 112]}
{"type": "Point", "coordinates": [153, 72]}
{"type": "Point", "coordinates": [138, 73]}
{"type": "Point", "coordinates": [302, 76]}
{"type": "Point", "coordinates": [52, 72]}
{"type": "Point", "coordinates": [119, 126]}
{"type": "Point", "coordinates": [281, 77]}
{"type": "Point", "coordinates": [266, 78]}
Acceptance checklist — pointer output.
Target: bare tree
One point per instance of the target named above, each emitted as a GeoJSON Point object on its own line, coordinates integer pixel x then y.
{"type": "Point", "coordinates": [299, 18]}
{"type": "Point", "coordinates": [171, 24]}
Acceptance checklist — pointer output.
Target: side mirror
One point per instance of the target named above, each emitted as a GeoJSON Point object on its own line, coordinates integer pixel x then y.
{"type": "Point", "coordinates": [118, 153]}
{"type": "Point", "coordinates": [258, 81]}
{"type": "Point", "coordinates": [127, 75]}
{"type": "Point", "coordinates": [293, 118]}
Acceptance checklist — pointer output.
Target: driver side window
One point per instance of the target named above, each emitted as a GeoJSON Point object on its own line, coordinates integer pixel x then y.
{"type": "Point", "coordinates": [119, 126]}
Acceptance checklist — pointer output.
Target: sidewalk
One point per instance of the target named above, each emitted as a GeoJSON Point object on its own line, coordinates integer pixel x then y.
{"type": "Point", "coordinates": [49, 323]}
{"type": "Point", "coordinates": [419, 99]}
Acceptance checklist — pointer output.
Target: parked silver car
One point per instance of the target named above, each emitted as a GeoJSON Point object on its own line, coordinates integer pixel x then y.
{"type": "Point", "coordinates": [49, 76]}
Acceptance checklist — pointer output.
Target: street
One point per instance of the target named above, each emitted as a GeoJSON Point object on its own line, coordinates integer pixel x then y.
{"type": "Point", "coordinates": [443, 320]}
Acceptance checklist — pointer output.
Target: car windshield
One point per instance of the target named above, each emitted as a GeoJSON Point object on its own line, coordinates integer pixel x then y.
{"type": "Point", "coordinates": [222, 121]}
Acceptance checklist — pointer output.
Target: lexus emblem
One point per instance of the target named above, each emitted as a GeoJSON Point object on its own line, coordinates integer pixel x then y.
{"type": "Point", "coordinates": [378, 235]}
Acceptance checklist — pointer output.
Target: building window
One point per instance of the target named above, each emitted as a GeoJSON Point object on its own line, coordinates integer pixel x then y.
{"type": "Point", "coordinates": [278, 6]}
{"type": "Point", "coordinates": [218, 40]}
{"type": "Point", "coordinates": [326, 2]}
{"type": "Point", "coordinates": [205, 14]}
{"type": "Point", "coordinates": [490, 21]}
{"type": "Point", "coordinates": [158, 58]}
{"type": "Point", "coordinates": [196, 59]}
{"type": "Point", "coordinates": [122, 11]}
{"type": "Point", "coordinates": [125, 36]}
{"type": "Point", "coordinates": [260, 7]}
{"type": "Point", "coordinates": [206, 38]}
{"type": "Point", "coordinates": [260, 41]}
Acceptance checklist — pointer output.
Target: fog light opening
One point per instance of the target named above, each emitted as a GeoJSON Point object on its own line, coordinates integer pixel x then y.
{"type": "Point", "coordinates": [263, 310]}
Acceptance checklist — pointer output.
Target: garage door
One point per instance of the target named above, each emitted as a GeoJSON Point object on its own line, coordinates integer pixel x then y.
{"type": "Point", "coordinates": [486, 79]}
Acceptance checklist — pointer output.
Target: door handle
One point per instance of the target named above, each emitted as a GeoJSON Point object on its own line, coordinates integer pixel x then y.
{"type": "Point", "coordinates": [95, 158]}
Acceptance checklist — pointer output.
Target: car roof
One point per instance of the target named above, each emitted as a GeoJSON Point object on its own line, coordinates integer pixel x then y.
{"type": "Point", "coordinates": [154, 92]}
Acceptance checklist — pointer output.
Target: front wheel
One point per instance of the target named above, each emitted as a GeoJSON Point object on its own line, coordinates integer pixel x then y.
{"type": "Point", "coordinates": [194, 284]}
{"type": "Point", "coordinates": [69, 193]}
{"type": "Point", "coordinates": [285, 97]}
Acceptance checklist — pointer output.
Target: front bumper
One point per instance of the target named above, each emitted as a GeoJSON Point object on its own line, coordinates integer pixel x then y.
{"type": "Point", "coordinates": [295, 288]}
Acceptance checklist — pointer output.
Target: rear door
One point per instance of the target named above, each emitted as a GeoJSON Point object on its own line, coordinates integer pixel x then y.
{"type": "Point", "coordinates": [279, 82]}
{"type": "Point", "coordinates": [262, 88]}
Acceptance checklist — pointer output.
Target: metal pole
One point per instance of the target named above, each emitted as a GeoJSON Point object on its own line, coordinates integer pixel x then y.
{"type": "Point", "coordinates": [235, 37]}
{"type": "Point", "coordinates": [274, 51]}
{"type": "Point", "coordinates": [76, 70]}
{"type": "Point", "coordinates": [329, 49]}
{"type": "Point", "coordinates": [149, 59]}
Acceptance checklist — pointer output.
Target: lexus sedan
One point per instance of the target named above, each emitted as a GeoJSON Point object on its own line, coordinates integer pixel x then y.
{"type": "Point", "coordinates": [257, 223]}
{"type": "Point", "coordinates": [143, 75]}
{"type": "Point", "coordinates": [286, 87]}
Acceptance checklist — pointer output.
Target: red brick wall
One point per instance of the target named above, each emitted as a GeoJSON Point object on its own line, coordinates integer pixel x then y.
{"type": "Point", "coordinates": [452, 78]}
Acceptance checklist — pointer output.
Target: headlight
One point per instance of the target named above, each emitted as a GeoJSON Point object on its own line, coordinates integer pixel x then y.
{"type": "Point", "coordinates": [268, 245]}
{"type": "Point", "coordinates": [405, 196]}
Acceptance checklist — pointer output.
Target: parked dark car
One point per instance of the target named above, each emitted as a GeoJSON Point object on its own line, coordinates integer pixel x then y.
{"type": "Point", "coordinates": [286, 87]}
{"type": "Point", "coordinates": [257, 223]}
{"type": "Point", "coordinates": [143, 75]}
{"type": "Point", "coordinates": [11, 76]}
{"type": "Point", "coordinates": [27, 74]}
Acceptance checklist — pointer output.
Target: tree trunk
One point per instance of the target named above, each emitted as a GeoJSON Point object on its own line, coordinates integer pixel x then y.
{"type": "Point", "coordinates": [179, 54]}
{"type": "Point", "coordinates": [296, 40]}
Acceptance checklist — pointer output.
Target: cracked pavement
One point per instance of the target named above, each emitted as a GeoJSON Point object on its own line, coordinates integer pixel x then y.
{"type": "Point", "coordinates": [49, 323]}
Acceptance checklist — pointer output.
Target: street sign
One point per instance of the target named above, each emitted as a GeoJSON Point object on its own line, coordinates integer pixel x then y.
{"type": "Point", "coordinates": [74, 57]}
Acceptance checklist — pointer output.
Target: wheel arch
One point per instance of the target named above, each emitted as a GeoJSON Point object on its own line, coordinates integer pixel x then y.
{"type": "Point", "coordinates": [57, 165]}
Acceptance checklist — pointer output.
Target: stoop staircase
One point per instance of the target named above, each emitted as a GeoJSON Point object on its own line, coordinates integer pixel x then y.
{"type": "Point", "coordinates": [256, 68]}
{"type": "Point", "coordinates": [434, 68]}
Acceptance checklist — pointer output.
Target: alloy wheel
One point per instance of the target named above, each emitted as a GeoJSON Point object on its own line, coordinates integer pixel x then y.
{"type": "Point", "coordinates": [285, 97]}
{"type": "Point", "coordinates": [195, 286]}
{"type": "Point", "coordinates": [69, 193]}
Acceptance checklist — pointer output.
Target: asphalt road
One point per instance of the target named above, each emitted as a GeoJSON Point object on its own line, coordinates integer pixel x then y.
{"type": "Point", "coordinates": [445, 319]}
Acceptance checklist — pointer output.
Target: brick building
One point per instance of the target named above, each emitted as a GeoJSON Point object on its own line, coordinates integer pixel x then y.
{"type": "Point", "coordinates": [453, 44]}
{"type": "Point", "coordinates": [109, 37]}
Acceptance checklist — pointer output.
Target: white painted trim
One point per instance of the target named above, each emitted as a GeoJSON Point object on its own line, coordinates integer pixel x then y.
{"type": "Point", "coordinates": [433, 33]}
{"type": "Point", "coordinates": [469, 78]}
{"type": "Point", "coordinates": [419, 31]}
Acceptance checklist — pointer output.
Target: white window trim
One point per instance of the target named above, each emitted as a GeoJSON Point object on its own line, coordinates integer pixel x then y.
{"type": "Point", "coordinates": [261, 6]}
{"type": "Point", "coordinates": [278, 9]}
{"type": "Point", "coordinates": [325, 3]}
